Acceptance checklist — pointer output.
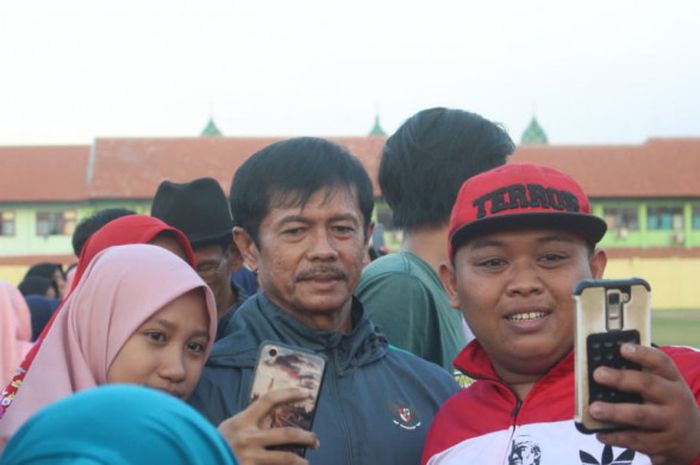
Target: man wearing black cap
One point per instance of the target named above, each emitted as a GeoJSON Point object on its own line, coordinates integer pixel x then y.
{"type": "Point", "coordinates": [520, 237]}
{"type": "Point", "coordinates": [200, 210]}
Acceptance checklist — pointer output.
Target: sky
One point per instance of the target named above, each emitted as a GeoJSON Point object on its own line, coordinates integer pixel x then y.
{"type": "Point", "coordinates": [592, 72]}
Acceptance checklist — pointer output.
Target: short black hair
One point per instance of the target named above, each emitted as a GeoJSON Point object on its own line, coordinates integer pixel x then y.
{"type": "Point", "coordinates": [425, 162]}
{"type": "Point", "coordinates": [36, 285]}
{"type": "Point", "coordinates": [88, 226]}
{"type": "Point", "coordinates": [45, 270]}
{"type": "Point", "coordinates": [294, 170]}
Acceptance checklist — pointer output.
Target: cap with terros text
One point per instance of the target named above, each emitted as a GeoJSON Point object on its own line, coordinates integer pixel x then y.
{"type": "Point", "coordinates": [521, 196]}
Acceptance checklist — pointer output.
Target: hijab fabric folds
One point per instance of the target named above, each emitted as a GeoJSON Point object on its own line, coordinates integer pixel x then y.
{"type": "Point", "coordinates": [15, 330]}
{"type": "Point", "coordinates": [122, 287]}
{"type": "Point", "coordinates": [132, 229]}
{"type": "Point", "coordinates": [118, 425]}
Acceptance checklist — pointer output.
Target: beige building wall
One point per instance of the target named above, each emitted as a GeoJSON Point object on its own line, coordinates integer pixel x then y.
{"type": "Point", "coordinates": [674, 281]}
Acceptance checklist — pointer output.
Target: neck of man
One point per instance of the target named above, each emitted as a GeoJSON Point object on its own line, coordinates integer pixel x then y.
{"type": "Point", "coordinates": [332, 320]}
{"type": "Point", "coordinates": [430, 244]}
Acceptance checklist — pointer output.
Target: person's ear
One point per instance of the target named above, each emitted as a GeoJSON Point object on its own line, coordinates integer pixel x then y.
{"type": "Point", "coordinates": [247, 248]}
{"type": "Point", "coordinates": [235, 258]}
{"type": "Point", "coordinates": [449, 282]}
{"type": "Point", "coordinates": [597, 262]}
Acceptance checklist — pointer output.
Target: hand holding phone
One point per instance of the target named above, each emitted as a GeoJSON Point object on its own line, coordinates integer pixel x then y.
{"type": "Point", "coordinates": [252, 444]}
{"type": "Point", "coordinates": [609, 313]}
{"type": "Point", "coordinates": [281, 367]}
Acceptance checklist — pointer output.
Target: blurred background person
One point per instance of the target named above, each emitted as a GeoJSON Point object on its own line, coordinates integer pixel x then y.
{"type": "Point", "coordinates": [15, 330]}
{"type": "Point", "coordinates": [133, 426]}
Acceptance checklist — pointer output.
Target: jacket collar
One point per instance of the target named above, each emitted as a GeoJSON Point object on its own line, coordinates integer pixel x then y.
{"type": "Point", "coordinates": [258, 320]}
{"type": "Point", "coordinates": [474, 362]}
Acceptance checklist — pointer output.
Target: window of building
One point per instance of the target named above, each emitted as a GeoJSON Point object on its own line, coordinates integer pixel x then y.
{"type": "Point", "coordinates": [621, 220]}
{"type": "Point", "coordinates": [55, 223]}
{"type": "Point", "coordinates": [696, 217]}
{"type": "Point", "coordinates": [7, 223]}
{"type": "Point", "coordinates": [665, 218]}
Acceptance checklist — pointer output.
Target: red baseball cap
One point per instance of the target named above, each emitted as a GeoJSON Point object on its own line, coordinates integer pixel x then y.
{"type": "Point", "coordinates": [521, 196]}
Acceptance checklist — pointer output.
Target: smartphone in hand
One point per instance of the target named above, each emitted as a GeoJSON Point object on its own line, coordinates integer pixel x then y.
{"type": "Point", "coordinates": [609, 312]}
{"type": "Point", "coordinates": [281, 366]}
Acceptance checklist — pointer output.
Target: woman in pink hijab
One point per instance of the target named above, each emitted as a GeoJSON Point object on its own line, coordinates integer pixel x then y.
{"type": "Point", "coordinates": [132, 229]}
{"type": "Point", "coordinates": [138, 315]}
{"type": "Point", "coordinates": [15, 330]}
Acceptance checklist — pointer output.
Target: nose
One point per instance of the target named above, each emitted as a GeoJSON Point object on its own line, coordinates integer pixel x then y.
{"type": "Point", "coordinates": [524, 280]}
{"type": "Point", "coordinates": [172, 365]}
{"type": "Point", "coordinates": [322, 247]}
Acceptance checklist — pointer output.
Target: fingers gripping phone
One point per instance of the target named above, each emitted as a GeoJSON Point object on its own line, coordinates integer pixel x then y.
{"type": "Point", "coordinates": [281, 367]}
{"type": "Point", "coordinates": [609, 312]}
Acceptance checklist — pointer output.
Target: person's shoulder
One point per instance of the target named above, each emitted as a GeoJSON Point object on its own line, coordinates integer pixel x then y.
{"type": "Point", "coordinates": [396, 270]}
{"type": "Point", "coordinates": [232, 351]}
{"type": "Point", "coordinates": [397, 262]}
{"type": "Point", "coordinates": [419, 366]}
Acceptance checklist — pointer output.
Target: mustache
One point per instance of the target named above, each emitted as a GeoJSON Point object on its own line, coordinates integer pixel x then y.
{"type": "Point", "coordinates": [322, 272]}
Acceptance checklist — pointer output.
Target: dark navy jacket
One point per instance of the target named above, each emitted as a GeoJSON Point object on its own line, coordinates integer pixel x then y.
{"type": "Point", "coordinates": [376, 402]}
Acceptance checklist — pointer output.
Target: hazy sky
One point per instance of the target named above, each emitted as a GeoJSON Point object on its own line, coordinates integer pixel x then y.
{"type": "Point", "coordinates": [598, 71]}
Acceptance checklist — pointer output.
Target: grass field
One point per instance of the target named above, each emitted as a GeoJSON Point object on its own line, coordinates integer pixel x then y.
{"type": "Point", "coordinates": [676, 327]}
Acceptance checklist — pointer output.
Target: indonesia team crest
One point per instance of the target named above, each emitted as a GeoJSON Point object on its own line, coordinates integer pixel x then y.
{"type": "Point", "coordinates": [404, 416]}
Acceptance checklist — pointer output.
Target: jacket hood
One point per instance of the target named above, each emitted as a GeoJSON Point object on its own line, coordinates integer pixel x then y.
{"type": "Point", "coordinates": [259, 320]}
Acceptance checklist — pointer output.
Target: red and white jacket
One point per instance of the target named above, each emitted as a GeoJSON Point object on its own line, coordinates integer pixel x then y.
{"type": "Point", "coordinates": [486, 424]}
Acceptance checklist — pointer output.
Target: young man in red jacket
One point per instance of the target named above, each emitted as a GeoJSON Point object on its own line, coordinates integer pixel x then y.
{"type": "Point", "coordinates": [520, 237]}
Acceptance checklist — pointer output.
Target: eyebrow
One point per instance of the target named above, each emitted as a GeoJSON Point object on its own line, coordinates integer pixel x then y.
{"type": "Point", "coordinates": [303, 219]}
{"type": "Point", "coordinates": [170, 326]}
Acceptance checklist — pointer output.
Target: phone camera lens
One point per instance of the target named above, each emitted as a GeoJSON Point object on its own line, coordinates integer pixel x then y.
{"type": "Point", "coordinates": [614, 298]}
{"type": "Point", "coordinates": [272, 352]}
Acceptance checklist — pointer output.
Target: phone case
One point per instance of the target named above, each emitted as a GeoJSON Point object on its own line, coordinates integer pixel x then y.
{"type": "Point", "coordinates": [280, 367]}
{"type": "Point", "coordinates": [609, 312]}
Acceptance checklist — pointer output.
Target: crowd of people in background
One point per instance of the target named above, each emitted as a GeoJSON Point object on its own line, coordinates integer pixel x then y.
{"type": "Point", "coordinates": [455, 349]}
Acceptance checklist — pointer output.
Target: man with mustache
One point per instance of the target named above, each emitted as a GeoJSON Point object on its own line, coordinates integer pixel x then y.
{"type": "Point", "coordinates": [302, 210]}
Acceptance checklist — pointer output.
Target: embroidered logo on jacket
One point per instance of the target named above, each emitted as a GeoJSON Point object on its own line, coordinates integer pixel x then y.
{"type": "Point", "coordinates": [404, 416]}
{"type": "Point", "coordinates": [525, 451]}
{"type": "Point", "coordinates": [625, 458]}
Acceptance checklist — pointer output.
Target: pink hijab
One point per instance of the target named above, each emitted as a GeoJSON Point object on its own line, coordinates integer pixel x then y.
{"type": "Point", "coordinates": [122, 287]}
{"type": "Point", "coordinates": [15, 330]}
{"type": "Point", "coordinates": [131, 229]}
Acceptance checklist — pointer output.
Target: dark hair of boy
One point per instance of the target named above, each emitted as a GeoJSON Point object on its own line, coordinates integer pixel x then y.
{"type": "Point", "coordinates": [288, 173]}
{"type": "Point", "coordinates": [427, 159]}
{"type": "Point", "coordinates": [88, 226]}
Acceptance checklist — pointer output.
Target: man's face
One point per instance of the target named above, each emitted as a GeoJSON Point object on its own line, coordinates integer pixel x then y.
{"type": "Point", "coordinates": [514, 289]}
{"type": "Point", "coordinates": [214, 265]}
{"type": "Point", "coordinates": [310, 258]}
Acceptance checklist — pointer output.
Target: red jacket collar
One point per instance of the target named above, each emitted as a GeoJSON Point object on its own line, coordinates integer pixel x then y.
{"type": "Point", "coordinates": [474, 362]}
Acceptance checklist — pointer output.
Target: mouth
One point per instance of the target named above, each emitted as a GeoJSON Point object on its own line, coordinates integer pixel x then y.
{"type": "Point", "coordinates": [527, 316]}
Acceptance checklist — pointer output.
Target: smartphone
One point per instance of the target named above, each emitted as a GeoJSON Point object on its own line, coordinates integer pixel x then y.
{"type": "Point", "coordinates": [281, 366]}
{"type": "Point", "coordinates": [609, 312]}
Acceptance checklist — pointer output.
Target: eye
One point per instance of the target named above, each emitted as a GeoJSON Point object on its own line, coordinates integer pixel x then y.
{"type": "Point", "coordinates": [293, 231]}
{"type": "Point", "coordinates": [196, 347]}
{"type": "Point", "coordinates": [552, 258]}
{"type": "Point", "coordinates": [157, 337]}
{"type": "Point", "coordinates": [206, 267]}
{"type": "Point", "coordinates": [491, 263]}
{"type": "Point", "coordinates": [343, 229]}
